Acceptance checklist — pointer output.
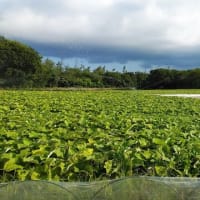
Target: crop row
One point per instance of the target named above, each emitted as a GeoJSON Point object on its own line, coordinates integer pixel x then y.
{"type": "Point", "coordinates": [92, 135]}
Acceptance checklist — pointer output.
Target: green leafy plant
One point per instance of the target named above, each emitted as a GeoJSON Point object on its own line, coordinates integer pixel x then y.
{"type": "Point", "coordinates": [91, 135]}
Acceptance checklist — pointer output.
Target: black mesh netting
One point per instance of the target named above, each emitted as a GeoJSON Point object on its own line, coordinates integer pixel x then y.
{"type": "Point", "coordinates": [135, 188]}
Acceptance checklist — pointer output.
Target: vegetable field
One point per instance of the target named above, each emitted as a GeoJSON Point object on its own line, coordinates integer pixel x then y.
{"type": "Point", "coordinates": [95, 135]}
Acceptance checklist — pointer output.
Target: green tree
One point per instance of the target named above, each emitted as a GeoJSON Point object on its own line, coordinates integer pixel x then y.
{"type": "Point", "coordinates": [141, 78]}
{"type": "Point", "coordinates": [46, 74]}
{"type": "Point", "coordinates": [19, 58]}
{"type": "Point", "coordinates": [15, 78]}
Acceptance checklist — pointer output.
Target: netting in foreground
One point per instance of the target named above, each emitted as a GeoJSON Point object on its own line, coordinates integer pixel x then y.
{"type": "Point", "coordinates": [134, 188]}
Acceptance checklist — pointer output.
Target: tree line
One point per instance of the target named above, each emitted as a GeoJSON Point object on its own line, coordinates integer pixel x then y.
{"type": "Point", "coordinates": [23, 67]}
{"type": "Point", "coordinates": [172, 79]}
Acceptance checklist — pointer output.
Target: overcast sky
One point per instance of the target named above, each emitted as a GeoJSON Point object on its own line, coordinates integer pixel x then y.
{"type": "Point", "coordinates": [140, 34]}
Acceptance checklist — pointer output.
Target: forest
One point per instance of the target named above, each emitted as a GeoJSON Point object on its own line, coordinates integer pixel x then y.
{"type": "Point", "coordinates": [23, 67]}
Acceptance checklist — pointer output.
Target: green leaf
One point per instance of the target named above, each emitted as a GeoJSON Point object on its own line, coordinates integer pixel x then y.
{"type": "Point", "coordinates": [22, 174]}
{"type": "Point", "coordinates": [40, 151]}
{"type": "Point", "coordinates": [158, 141]}
{"type": "Point", "coordinates": [161, 170]}
{"type": "Point", "coordinates": [11, 165]}
{"type": "Point", "coordinates": [76, 169]}
{"type": "Point", "coordinates": [12, 134]}
{"type": "Point", "coordinates": [58, 153]}
{"type": "Point", "coordinates": [62, 167]}
{"type": "Point", "coordinates": [24, 152]}
{"type": "Point", "coordinates": [33, 135]}
{"type": "Point", "coordinates": [87, 152]}
{"type": "Point", "coordinates": [108, 166]}
{"type": "Point", "coordinates": [35, 176]}
{"type": "Point", "coordinates": [7, 155]}
{"type": "Point", "coordinates": [30, 160]}
{"type": "Point", "coordinates": [143, 142]}
{"type": "Point", "coordinates": [147, 154]}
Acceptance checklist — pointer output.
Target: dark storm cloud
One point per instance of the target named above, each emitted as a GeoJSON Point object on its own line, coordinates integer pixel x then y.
{"type": "Point", "coordinates": [105, 54]}
{"type": "Point", "coordinates": [151, 32]}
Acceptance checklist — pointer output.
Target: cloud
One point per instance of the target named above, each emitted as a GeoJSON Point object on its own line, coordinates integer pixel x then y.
{"type": "Point", "coordinates": [154, 32]}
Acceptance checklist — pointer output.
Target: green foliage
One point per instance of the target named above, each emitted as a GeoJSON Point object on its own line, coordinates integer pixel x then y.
{"type": "Point", "coordinates": [21, 66]}
{"type": "Point", "coordinates": [172, 79]}
{"type": "Point", "coordinates": [87, 135]}
{"type": "Point", "coordinates": [17, 62]}
{"type": "Point", "coordinates": [18, 56]}
{"type": "Point", "coordinates": [46, 75]}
